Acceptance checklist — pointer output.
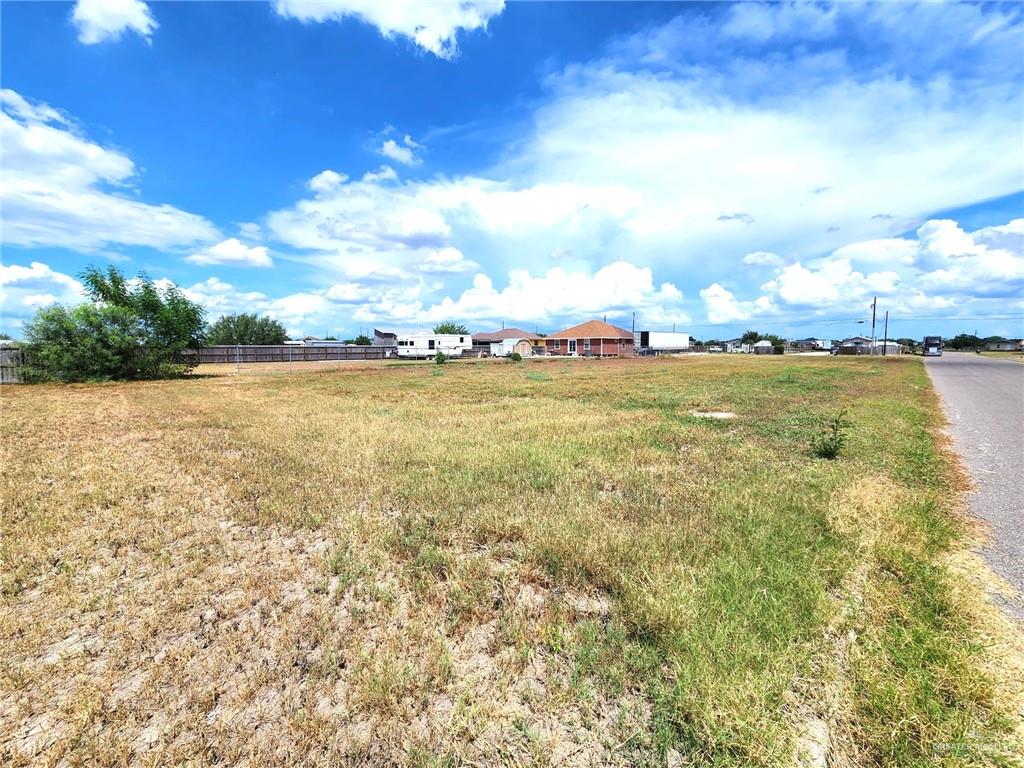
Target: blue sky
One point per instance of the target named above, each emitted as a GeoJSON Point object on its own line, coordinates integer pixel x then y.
{"type": "Point", "coordinates": [342, 165]}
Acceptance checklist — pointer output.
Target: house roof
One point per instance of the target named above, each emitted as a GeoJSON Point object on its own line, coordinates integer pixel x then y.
{"type": "Point", "coordinates": [384, 334]}
{"type": "Point", "coordinates": [763, 343]}
{"type": "Point", "coordinates": [855, 338]}
{"type": "Point", "coordinates": [504, 333]}
{"type": "Point", "coordinates": [593, 329]}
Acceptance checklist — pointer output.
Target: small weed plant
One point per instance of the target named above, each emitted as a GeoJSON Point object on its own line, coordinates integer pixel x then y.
{"type": "Point", "coordinates": [440, 358]}
{"type": "Point", "coordinates": [830, 440]}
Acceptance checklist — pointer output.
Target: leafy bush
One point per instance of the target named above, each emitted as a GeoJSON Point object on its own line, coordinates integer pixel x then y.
{"type": "Point", "coordinates": [440, 358]}
{"type": "Point", "coordinates": [830, 441]}
{"type": "Point", "coordinates": [132, 330]}
{"type": "Point", "coordinates": [246, 329]}
{"type": "Point", "coordinates": [515, 357]}
{"type": "Point", "coordinates": [86, 343]}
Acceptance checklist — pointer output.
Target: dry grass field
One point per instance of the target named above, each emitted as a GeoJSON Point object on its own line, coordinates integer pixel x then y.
{"type": "Point", "coordinates": [487, 563]}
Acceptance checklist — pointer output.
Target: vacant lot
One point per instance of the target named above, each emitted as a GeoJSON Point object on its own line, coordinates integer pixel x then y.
{"type": "Point", "coordinates": [549, 563]}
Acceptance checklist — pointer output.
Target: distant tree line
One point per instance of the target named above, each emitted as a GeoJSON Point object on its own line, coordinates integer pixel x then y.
{"type": "Point", "coordinates": [246, 329]}
{"type": "Point", "coordinates": [969, 341]}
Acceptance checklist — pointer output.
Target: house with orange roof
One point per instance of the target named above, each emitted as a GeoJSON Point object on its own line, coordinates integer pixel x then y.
{"type": "Point", "coordinates": [594, 338]}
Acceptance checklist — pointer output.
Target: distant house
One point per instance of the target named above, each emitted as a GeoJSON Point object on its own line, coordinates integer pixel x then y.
{"type": "Point", "coordinates": [856, 341]}
{"type": "Point", "coordinates": [384, 339]}
{"type": "Point", "coordinates": [508, 340]}
{"type": "Point", "coordinates": [487, 337]}
{"type": "Point", "coordinates": [737, 345]}
{"type": "Point", "coordinates": [1006, 345]}
{"type": "Point", "coordinates": [855, 345]}
{"type": "Point", "coordinates": [808, 344]}
{"type": "Point", "coordinates": [764, 347]}
{"type": "Point", "coordinates": [593, 338]}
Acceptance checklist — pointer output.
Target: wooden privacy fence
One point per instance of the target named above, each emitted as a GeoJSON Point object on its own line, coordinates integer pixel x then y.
{"type": "Point", "coordinates": [11, 361]}
{"type": "Point", "coordinates": [285, 353]}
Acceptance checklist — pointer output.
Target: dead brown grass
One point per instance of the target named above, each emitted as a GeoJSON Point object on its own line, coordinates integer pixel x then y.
{"type": "Point", "coordinates": [143, 623]}
{"type": "Point", "coordinates": [472, 564]}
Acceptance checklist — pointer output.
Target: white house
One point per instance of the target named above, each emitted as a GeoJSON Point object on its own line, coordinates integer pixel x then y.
{"type": "Point", "coordinates": [429, 344]}
{"type": "Point", "coordinates": [764, 347]}
{"type": "Point", "coordinates": [737, 345]}
{"type": "Point", "coordinates": [1005, 345]}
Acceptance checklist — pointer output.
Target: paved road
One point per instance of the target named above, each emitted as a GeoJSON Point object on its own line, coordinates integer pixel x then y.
{"type": "Point", "coordinates": [984, 401]}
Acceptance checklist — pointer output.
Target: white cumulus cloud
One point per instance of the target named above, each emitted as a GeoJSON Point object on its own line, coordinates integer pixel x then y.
{"type": "Point", "coordinates": [447, 260]}
{"type": "Point", "coordinates": [25, 289]}
{"type": "Point", "coordinates": [232, 253]}
{"type": "Point", "coordinates": [762, 259]}
{"type": "Point", "coordinates": [722, 306]}
{"type": "Point", "coordinates": [54, 189]}
{"type": "Point", "coordinates": [404, 152]}
{"type": "Point", "coordinates": [101, 20]}
{"type": "Point", "coordinates": [616, 289]}
{"type": "Point", "coordinates": [432, 26]}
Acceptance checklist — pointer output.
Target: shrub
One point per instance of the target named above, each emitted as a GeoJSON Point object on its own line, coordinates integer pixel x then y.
{"type": "Point", "coordinates": [440, 358]}
{"type": "Point", "coordinates": [516, 357]}
{"type": "Point", "coordinates": [832, 438]}
{"type": "Point", "coordinates": [86, 343]}
{"type": "Point", "coordinates": [132, 330]}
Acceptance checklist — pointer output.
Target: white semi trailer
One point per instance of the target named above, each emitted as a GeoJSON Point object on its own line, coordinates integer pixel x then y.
{"type": "Point", "coordinates": [660, 342]}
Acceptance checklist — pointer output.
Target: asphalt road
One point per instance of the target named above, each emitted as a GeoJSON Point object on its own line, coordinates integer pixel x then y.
{"type": "Point", "coordinates": [984, 402]}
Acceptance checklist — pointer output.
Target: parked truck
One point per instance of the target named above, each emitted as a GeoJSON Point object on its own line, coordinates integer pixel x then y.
{"type": "Point", "coordinates": [933, 346]}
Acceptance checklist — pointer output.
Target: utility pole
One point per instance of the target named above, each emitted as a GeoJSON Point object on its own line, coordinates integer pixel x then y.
{"type": "Point", "coordinates": [885, 335]}
{"type": "Point", "coordinates": [874, 305]}
{"type": "Point", "coordinates": [633, 328]}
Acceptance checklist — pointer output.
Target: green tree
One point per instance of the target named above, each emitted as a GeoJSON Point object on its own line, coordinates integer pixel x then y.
{"type": "Point", "coordinates": [906, 342]}
{"type": "Point", "coordinates": [361, 340]}
{"type": "Point", "coordinates": [450, 327]}
{"type": "Point", "coordinates": [778, 343]}
{"type": "Point", "coordinates": [246, 329]}
{"type": "Point", "coordinates": [963, 341]}
{"type": "Point", "coordinates": [134, 329]}
{"type": "Point", "coordinates": [751, 337]}
{"type": "Point", "coordinates": [90, 342]}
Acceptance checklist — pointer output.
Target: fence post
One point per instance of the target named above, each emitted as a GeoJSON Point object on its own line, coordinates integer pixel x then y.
{"type": "Point", "coordinates": [289, 359]}
{"type": "Point", "coordinates": [238, 362]}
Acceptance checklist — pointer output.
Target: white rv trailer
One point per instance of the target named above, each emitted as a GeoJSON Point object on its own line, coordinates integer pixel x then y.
{"type": "Point", "coordinates": [429, 344]}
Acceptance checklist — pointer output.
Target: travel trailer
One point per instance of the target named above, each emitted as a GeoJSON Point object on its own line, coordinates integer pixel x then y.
{"type": "Point", "coordinates": [429, 344]}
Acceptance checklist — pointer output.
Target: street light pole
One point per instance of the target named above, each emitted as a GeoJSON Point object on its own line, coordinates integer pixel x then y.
{"type": "Point", "coordinates": [874, 305]}
{"type": "Point", "coordinates": [885, 334]}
